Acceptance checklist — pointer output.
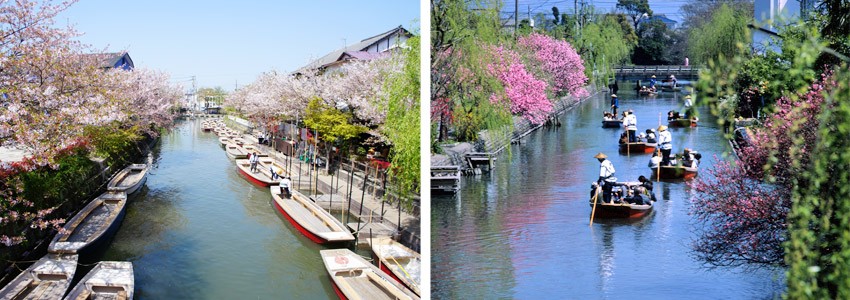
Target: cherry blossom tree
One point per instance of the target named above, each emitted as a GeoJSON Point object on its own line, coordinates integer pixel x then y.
{"type": "Point", "coordinates": [559, 61]}
{"type": "Point", "coordinates": [523, 93]}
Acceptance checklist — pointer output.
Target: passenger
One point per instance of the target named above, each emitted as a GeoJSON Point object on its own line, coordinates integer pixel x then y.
{"type": "Point", "coordinates": [624, 138]}
{"type": "Point", "coordinates": [641, 137]}
{"type": "Point", "coordinates": [606, 176]}
{"type": "Point", "coordinates": [654, 160]}
{"type": "Point", "coordinates": [652, 83]}
{"type": "Point", "coordinates": [650, 136]}
{"type": "Point", "coordinates": [646, 185]}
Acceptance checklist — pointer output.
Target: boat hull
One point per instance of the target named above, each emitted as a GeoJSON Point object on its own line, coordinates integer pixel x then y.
{"type": "Point", "coordinates": [675, 172]}
{"type": "Point", "coordinates": [396, 254]}
{"type": "Point", "coordinates": [313, 237]}
{"type": "Point", "coordinates": [117, 184]}
{"type": "Point", "coordinates": [612, 124]}
{"type": "Point", "coordinates": [253, 179]}
{"type": "Point", "coordinates": [99, 240]}
{"type": "Point", "coordinates": [637, 148]}
{"type": "Point", "coordinates": [620, 211]}
{"type": "Point", "coordinates": [60, 269]}
{"type": "Point", "coordinates": [682, 123]}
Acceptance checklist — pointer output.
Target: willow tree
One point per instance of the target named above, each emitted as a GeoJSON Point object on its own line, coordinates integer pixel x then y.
{"type": "Point", "coordinates": [401, 126]}
{"type": "Point", "coordinates": [721, 36]}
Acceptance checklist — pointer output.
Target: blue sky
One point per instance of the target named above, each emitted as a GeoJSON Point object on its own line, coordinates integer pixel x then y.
{"type": "Point", "coordinates": [222, 42]}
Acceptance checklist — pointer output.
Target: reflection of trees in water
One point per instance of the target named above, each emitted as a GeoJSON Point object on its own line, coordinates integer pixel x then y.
{"type": "Point", "coordinates": [150, 214]}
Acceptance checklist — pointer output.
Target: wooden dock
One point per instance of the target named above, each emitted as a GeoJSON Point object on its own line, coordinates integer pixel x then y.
{"type": "Point", "coordinates": [445, 179]}
{"type": "Point", "coordinates": [478, 160]}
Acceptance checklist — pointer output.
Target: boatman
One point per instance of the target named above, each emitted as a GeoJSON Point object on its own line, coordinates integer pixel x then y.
{"type": "Point", "coordinates": [664, 141]}
{"type": "Point", "coordinates": [652, 83]}
{"type": "Point", "coordinates": [615, 104]}
{"type": "Point", "coordinates": [688, 105]}
{"type": "Point", "coordinates": [606, 176]}
{"type": "Point", "coordinates": [630, 122]}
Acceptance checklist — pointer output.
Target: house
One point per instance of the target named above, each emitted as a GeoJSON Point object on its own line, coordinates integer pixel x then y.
{"type": "Point", "coordinates": [369, 48]}
{"type": "Point", "coordinates": [116, 60]}
{"type": "Point", "coordinates": [770, 15]}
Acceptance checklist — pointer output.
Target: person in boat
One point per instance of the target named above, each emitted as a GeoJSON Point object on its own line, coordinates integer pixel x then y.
{"type": "Point", "coordinates": [624, 138]}
{"type": "Point", "coordinates": [673, 80]}
{"type": "Point", "coordinates": [606, 176]}
{"type": "Point", "coordinates": [655, 160]}
{"type": "Point", "coordinates": [254, 160]}
{"type": "Point", "coordinates": [608, 116]}
{"type": "Point", "coordinates": [646, 185]}
{"type": "Point", "coordinates": [641, 138]}
{"type": "Point", "coordinates": [665, 142]}
{"type": "Point", "coordinates": [690, 158]}
{"type": "Point", "coordinates": [688, 106]}
{"type": "Point", "coordinates": [615, 104]}
{"type": "Point", "coordinates": [652, 83]}
{"type": "Point", "coordinates": [650, 136]}
{"type": "Point", "coordinates": [285, 185]}
{"type": "Point", "coordinates": [630, 122]}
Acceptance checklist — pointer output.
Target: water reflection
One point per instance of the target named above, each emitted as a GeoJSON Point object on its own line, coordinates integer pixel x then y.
{"type": "Point", "coordinates": [522, 230]}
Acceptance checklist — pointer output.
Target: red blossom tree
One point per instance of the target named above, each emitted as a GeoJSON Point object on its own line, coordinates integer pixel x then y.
{"type": "Point", "coordinates": [524, 93]}
{"type": "Point", "coordinates": [741, 206]}
{"type": "Point", "coordinates": [559, 61]}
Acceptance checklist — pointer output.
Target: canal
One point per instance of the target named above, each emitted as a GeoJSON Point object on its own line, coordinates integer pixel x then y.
{"type": "Point", "coordinates": [522, 231]}
{"type": "Point", "coordinates": [198, 230]}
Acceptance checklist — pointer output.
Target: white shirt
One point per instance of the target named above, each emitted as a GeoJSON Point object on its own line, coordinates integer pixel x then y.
{"type": "Point", "coordinates": [687, 103]}
{"type": "Point", "coordinates": [606, 170]}
{"type": "Point", "coordinates": [285, 182]}
{"type": "Point", "coordinates": [254, 158]}
{"type": "Point", "coordinates": [665, 139]}
{"type": "Point", "coordinates": [654, 162]}
{"type": "Point", "coordinates": [630, 122]}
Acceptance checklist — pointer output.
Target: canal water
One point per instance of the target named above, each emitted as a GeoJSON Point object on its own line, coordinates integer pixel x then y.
{"type": "Point", "coordinates": [522, 231]}
{"type": "Point", "coordinates": [199, 230]}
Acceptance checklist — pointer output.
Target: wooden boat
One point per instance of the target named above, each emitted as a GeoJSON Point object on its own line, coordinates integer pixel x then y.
{"type": "Point", "coordinates": [129, 180]}
{"type": "Point", "coordinates": [355, 278]}
{"type": "Point", "coordinates": [92, 226]}
{"type": "Point", "coordinates": [206, 127]}
{"type": "Point", "coordinates": [637, 148]}
{"type": "Point", "coordinates": [622, 209]}
{"type": "Point", "coordinates": [647, 93]}
{"type": "Point", "coordinates": [310, 219]}
{"type": "Point", "coordinates": [682, 122]}
{"type": "Point", "coordinates": [107, 280]}
{"type": "Point", "coordinates": [273, 165]}
{"type": "Point", "coordinates": [609, 123]}
{"type": "Point", "coordinates": [48, 278]}
{"type": "Point", "coordinates": [223, 140]}
{"type": "Point", "coordinates": [262, 178]}
{"type": "Point", "coordinates": [251, 149]}
{"type": "Point", "coordinates": [238, 141]}
{"type": "Point", "coordinates": [675, 172]}
{"type": "Point", "coordinates": [398, 261]}
{"type": "Point", "coordinates": [235, 151]}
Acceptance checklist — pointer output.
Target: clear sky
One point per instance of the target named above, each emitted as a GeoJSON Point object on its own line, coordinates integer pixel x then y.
{"type": "Point", "coordinates": [670, 8]}
{"type": "Point", "coordinates": [222, 42]}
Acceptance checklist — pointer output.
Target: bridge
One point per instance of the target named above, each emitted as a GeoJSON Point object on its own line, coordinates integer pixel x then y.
{"type": "Point", "coordinates": [662, 72]}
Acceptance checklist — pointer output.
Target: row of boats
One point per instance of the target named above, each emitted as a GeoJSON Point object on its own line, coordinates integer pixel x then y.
{"type": "Point", "coordinates": [89, 230]}
{"type": "Point", "coordinates": [397, 273]}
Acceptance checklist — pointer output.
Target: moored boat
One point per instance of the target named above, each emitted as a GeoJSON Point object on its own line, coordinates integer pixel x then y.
{"type": "Point", "coordinates": [619, 207]}
{"type": "Point", "coordinates": [355, 278]}
{"type": "Point", "coordinates": [235, 151]}
{"type": "Point", "coordinates": [47, 278]}
{"type": "Point", "coordinates": [637, 147]}
{"type": "Point", "coordinates": [251, 149]}
{"type": "Point", "coordinates": [398, 261]}
{"type": "Point", "coordinates": [129, 180]}
{"type": "Point", "coordinates": [238, 141]}
{"type": "Point", "coordinates": [262, 177]}
{"type": "Point", "coordinates": [107, 280]}
{"type": "Point", "coordinates": [309, 218]}
{"type": "Point", "coordinates": [92, 226]}
{"type": "Point", "coordinates": [223, 140]}
{"type": "Point", "coordinates": [612, 123]}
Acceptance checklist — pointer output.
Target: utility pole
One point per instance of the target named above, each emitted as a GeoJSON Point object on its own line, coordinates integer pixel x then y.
{"type": "Point", "coordinates": [530, 22]}
{"type": "Point", "coordinates": [194, 91]}
{"type": "Point", "coordinates": [516, 18]}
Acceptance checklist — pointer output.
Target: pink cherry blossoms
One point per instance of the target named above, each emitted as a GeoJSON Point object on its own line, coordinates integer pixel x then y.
{"type": "Point", "coordinates": [559, 60]}
{"type": "Point", "coordinates": [526, 94]}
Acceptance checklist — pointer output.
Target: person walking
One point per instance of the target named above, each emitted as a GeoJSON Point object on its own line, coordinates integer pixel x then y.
{"type": "Point", "coordinates": [664, 141]}
{"type": "Point", "coordinates": [630, 122]}
{"type": "Point", "coordinates": [606, 176]}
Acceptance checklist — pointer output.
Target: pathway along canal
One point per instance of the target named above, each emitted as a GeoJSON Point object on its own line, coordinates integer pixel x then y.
{"type": "Point", "coordinates": [199, 230]}
{"type": "Point", "coordinates": [522, 231]}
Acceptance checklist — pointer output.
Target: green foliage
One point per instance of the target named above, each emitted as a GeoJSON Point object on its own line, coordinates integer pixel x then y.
{"type": "Point", "coordinates": [116, 144]}
{"type": "Point", "coordinates": [721, 36]}
{"type": "Point", "coordinates": [461, 32]}
{"type": "Point", "coordinates": [331, 123]}
{"type": "Point", "coordinates": [402, 123]}
{"type": "Point", "coordinates": [604, 43]}
{"type": "Point", "coordinates": [635, 9]}
{"type": "Point", "coordinates": [48, 188]}
{"type": "Point", "coordinates": [818, 249]}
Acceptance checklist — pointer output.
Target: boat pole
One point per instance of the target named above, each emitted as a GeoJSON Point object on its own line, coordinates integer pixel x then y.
{"type": "Point", "coordinates": [362, 200]}
{"type": "Point", "coordinates": [593, 211]}
{"type": "Point", "coordinates": [658, 148]}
